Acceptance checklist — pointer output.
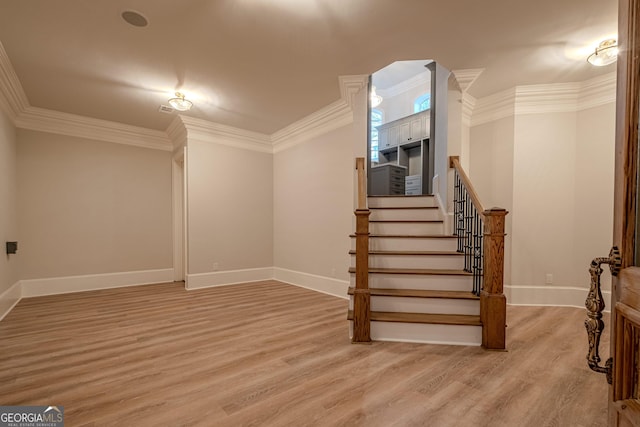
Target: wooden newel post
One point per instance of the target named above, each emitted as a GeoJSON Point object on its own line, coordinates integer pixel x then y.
{"type": "Point", "coordinates": [361, 294]}
{"type": "Point", "coordinates": [493, 303]}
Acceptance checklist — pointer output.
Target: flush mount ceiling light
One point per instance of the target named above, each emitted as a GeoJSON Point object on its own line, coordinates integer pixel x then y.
{"type": "Point", "coordinates": [375, 98]}
{"type": "Point", "coordinates": [606, 53]}
{"type": "Point", "coordinates": [180, 103]}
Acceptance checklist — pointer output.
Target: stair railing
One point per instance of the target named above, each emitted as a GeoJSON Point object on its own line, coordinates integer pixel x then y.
{"type": "Point", "coordinates": [480, 235]}
{"type": "Point", "coordinates": [362, 294]}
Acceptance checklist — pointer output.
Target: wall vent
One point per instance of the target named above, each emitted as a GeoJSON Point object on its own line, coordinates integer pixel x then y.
{"type": "Point", "coordinates": [166, 109]}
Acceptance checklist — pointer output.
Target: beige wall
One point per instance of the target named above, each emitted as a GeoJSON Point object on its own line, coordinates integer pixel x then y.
{"type": "Point", "coordinates": [89, 207]}
{"type": "Point", "coordinates": [491, 171]}
{"type": "Point", "coordinates": [230, 198]}
{"type": "Point", "coordinates": [544, 185]}
{"type": "Point", "coordinates": [594, 174]}
{"type": "Point", "coordinates": [313, 205]}
{"type": "Point", "coordinates": [554, 173]}
{"type": "Point", "coordinates": [8, 198]}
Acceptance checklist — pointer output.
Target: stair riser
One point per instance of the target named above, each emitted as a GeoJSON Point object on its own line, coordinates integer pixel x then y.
{"type": "Point", "coordinates": [386, 202]}
{"type": "Point", "coordinates": [417, 281]}
{"type": "Point", "coordinates": [452, 262]}
{"type": "Point", "coordinates": [405, 214]}
{"type": "Point", "coordinates": [409, 244]}
{"type": "Point", "coordinates": [408, 228]}
{"type": "Point", "coordinates": [423, 305]}
{"type": "Point", "coordinates": [425, 333]}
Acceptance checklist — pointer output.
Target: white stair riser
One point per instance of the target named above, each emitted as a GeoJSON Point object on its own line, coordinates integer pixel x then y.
{"type": "Point", "coordinates": [423, 305]}
{"type": "Point", "coordinates": [417, 281]}
{"type": "Point", "coordinates": [451, 262]}
{"type": "Point", "coordinates": [386, 202]}
{"type": "Point", "coordinates": [424, 333]}
{"type": "Point", "coordinates": [406, 228]}
{"type": "Point", "coordinates": [411, 214]}
{"type": "Point", "coordinates": [409, 244]}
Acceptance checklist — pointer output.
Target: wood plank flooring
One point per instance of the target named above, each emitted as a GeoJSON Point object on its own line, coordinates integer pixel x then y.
{"type": "Point", "coordinates": [271, 354]}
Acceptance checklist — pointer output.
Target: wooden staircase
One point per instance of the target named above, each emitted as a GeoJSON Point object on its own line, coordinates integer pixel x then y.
{"type": "Point", "coordinates": [419, 291]}
{"type": "Point", "coordinates": [413, 281]}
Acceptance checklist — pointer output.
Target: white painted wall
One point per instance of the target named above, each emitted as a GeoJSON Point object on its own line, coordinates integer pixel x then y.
{"type": "Point", "coordinates": [593, 199]}
{"type": "Point", "coordinates": [491, 172]}
{"type": "Point", "coordinates": [230, 208]}
{"type": "Point", "coordinates": [313, 205]}
{"type": "Point", "coordinates": [554, 173]}
{"type": "Point", "coordinates": [9, 273]}
{"type": "Point", "coordinates": [91, 207]}
{"type": "Point", "coordinates": [440, 135]}
{"type": "Point", "coordinates": [314, 201]}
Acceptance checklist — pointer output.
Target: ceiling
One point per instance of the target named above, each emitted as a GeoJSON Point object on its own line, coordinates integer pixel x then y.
{"type": "Point", "coordinates": [262, 64]}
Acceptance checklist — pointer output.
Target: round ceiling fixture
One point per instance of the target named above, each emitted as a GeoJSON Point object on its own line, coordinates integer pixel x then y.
{"type": "Point", "coordinates": [606, 53]}
{"type": "Point", "coordinates": [134, 18]}
{"type": "Point", "coordinates": [180, 103]}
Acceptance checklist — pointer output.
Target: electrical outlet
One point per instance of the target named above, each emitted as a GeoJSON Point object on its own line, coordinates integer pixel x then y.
{"type": "Point", "coordinates": [216, 266]}
{"type": "Point", "coordinates": [548, 279]}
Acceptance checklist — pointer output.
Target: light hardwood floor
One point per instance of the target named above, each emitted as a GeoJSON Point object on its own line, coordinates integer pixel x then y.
{"type": "Point", "coordinates": [271, 354]}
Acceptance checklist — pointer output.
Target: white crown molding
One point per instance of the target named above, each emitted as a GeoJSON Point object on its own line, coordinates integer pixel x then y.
{"type": "Point", "coordinates": [329, 118]}
{"type": "Point", "coordinates": [468, 104]}
{"type": "Point", "coordinates": [217, 133]}
{"type": "Point", "coordinates": [467, 77]}
{"type": "Point", "coordinates": [546, 98]}
{"type": "Point", "coordinates": [494, 107]}
{"type": "Point", "coordinates": [40, 119]}
{"type": "Point", "coordinates": [13, 100]}
{"type": "Point", "coordinates": [597, 91]}
{"type": "Point", "coordinates": [350, 86]}
{"type": "Point", "coordinates": [422, 79]}
{"type": "Point", "coordinates": [177, 133]}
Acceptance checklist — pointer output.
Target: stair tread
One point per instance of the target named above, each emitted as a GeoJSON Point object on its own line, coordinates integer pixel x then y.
{"type": "Point", "coordinates": [405, 207]}
{"type": "Point", "coordinates": [428, 318]}
{"type": "Point", "coordinates": [411, 236]}
{"type": "Point", "coordinates": [407, 221]}
{"type": "Point", "coordinates": [455, 253]}
{"type": "Point", "coordinates": [399, 195]}
{"type": "Point", "coordinates": [426, 271]}
{"type": "Point", "coordinates": [420, 293]}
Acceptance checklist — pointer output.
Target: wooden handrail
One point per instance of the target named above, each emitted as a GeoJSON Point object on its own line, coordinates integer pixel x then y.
{"type": "Point", "coordinates": [489, 271]}
{"type": "Point", "coordinates": [454, 163]}
{"type": "Point", "coordinates": [362, 294]}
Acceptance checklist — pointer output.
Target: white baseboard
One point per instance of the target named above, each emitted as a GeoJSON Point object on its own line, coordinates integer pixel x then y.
{"type": "Point", "coordinates": [326, 285]}
{"type": "Point", "coordinates": [558, 296]}
{"type": "Point", "coordinates": [9, 299]}
{"type": "Point", "coordinates": [230, 277]}
{"type": "Point", "coordinates": [92, 282]}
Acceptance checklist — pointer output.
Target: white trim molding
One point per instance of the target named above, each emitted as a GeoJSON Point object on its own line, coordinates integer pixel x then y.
{"type": "Point", "coordinates": [419, 80]}
{"type": "Point", "coordinates": [545, 98]}
{"type": "Point", "coordinates": [40, 119]}
{"type": "Point", "coordinates": [217, 133]}
{"type": "Point", "coordinates": [467, 77]}
{"type": "Point", "coordinates": [556, 296]}
{"type": "Point", "coordinates": [9, 299]}
{"type": "Point", "coordinates": [228, 277]}
{"type": "Point", "coordinates": [325, 285]}
{"type": "Point", "coordinates": [331, 117]}
{"type": "Point", "coordinates": [93, 282]}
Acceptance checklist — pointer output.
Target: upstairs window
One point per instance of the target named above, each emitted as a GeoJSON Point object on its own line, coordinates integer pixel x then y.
{"type": "Point", "coordinates": [422, 103]}
{"type": "Point", "coordinates": [376, 120]}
